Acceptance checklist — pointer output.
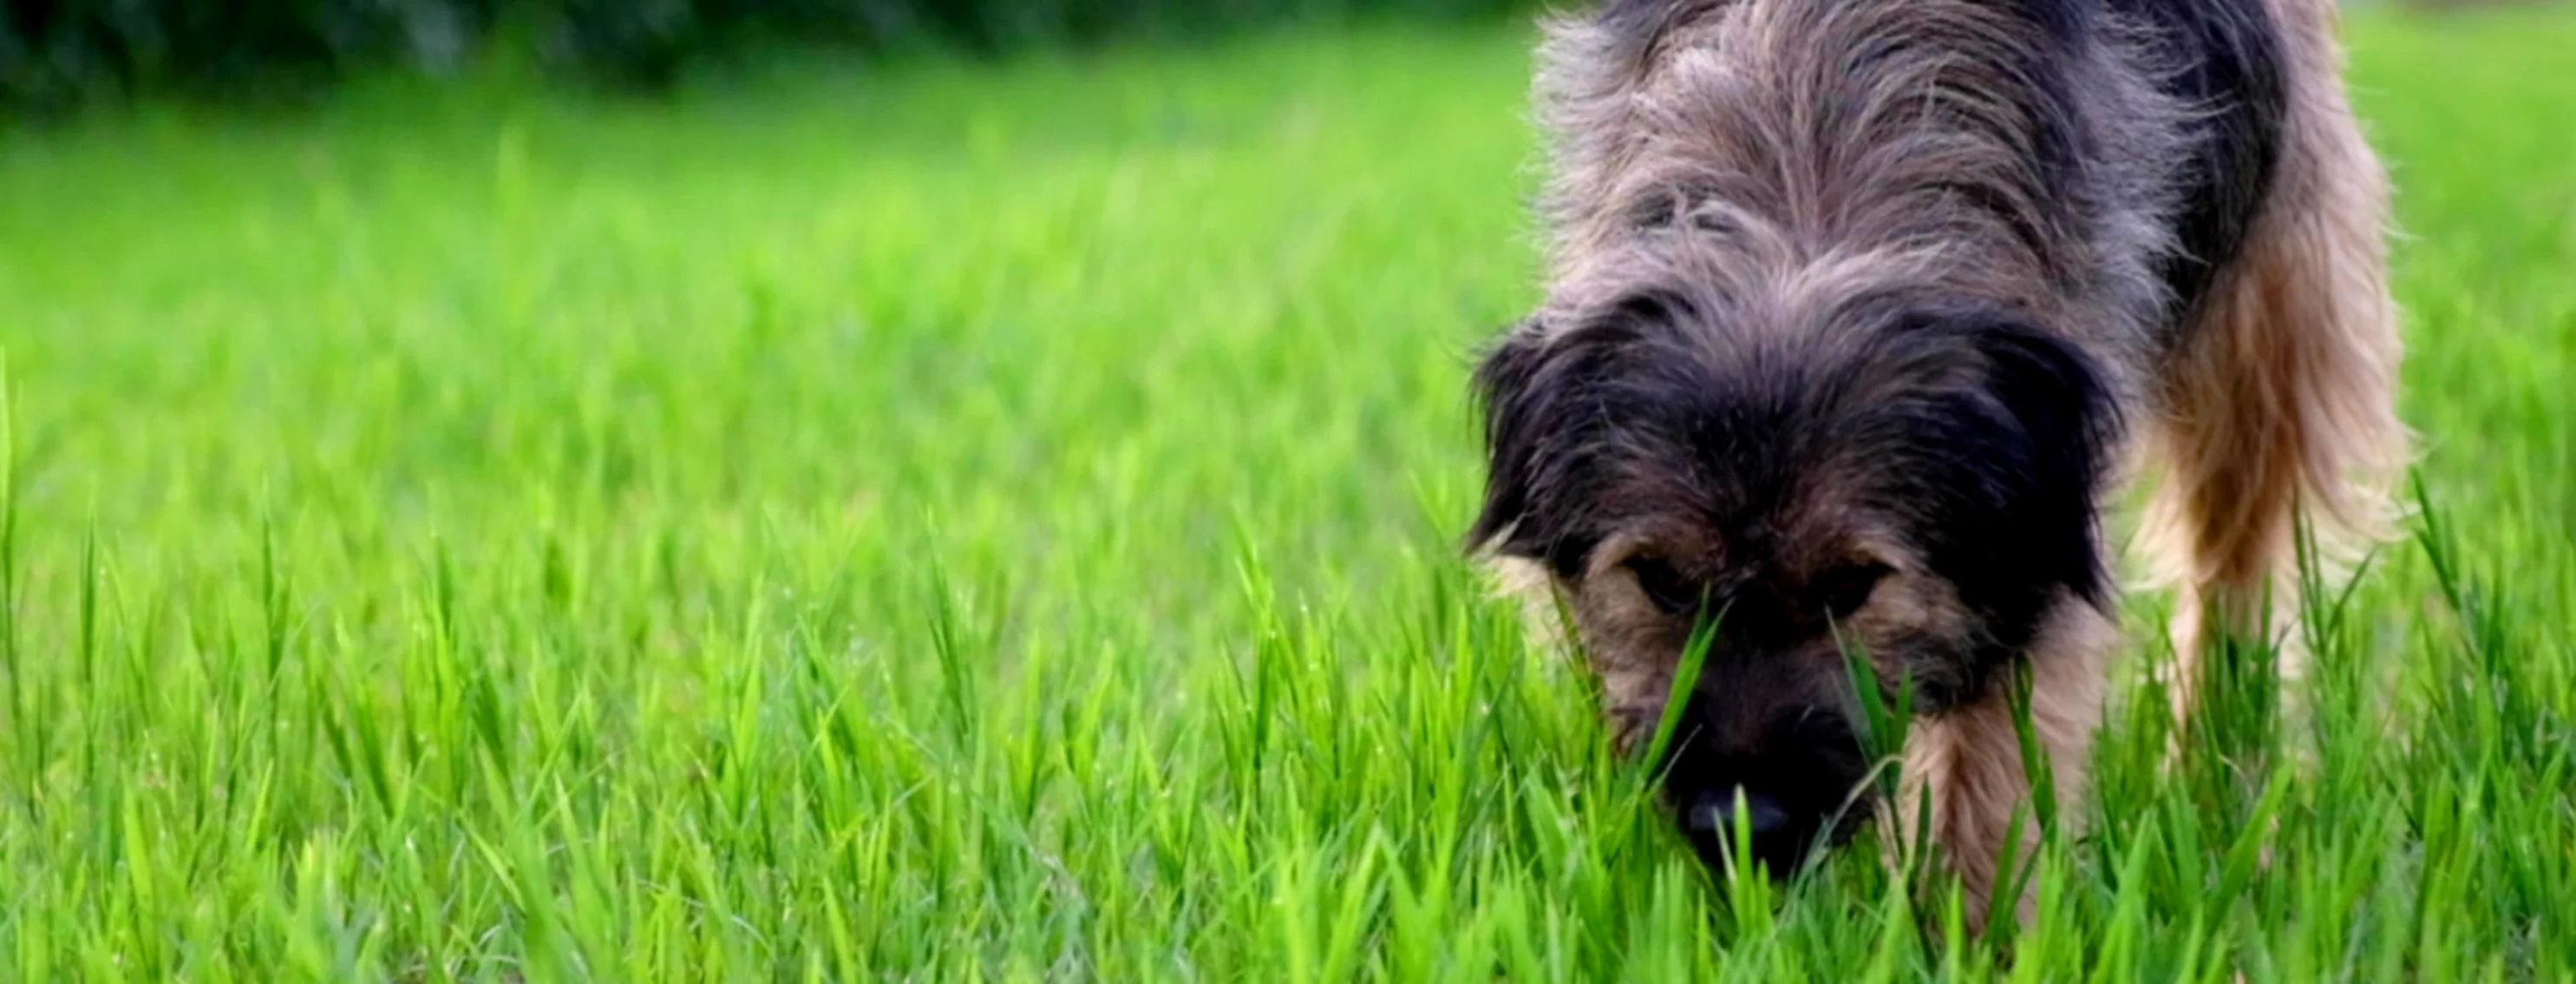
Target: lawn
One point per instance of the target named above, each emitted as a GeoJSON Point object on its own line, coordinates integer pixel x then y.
{"type": "Point", "coordinates": [945, 522]}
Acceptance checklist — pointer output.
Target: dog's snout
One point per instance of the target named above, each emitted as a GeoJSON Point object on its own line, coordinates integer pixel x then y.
{"type": "Point", "coordinates": [1715, 812]}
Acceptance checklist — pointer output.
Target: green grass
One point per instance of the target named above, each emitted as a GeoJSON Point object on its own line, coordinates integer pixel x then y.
{"type": "Point", "coordinates": [934, 525]}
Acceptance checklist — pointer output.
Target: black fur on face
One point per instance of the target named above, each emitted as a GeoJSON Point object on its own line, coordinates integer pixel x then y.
{"type": "Point", "coordinates": [1912, 473]}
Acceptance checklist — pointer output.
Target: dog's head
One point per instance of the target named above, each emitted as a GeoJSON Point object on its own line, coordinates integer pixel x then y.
{"type": "Point", "coordinates": [1912, 476]}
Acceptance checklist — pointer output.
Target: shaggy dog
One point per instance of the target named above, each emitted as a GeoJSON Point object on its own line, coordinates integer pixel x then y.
{"type": "Point", "coordinates": [1857, 311]}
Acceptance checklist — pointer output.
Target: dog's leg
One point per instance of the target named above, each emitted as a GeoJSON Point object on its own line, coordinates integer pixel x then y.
{"type": "Point", "coordinates": [1965, 765]}
{"type": "Point", "coordinates": [2282, 402]}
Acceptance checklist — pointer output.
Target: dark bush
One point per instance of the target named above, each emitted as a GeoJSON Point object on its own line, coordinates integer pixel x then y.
{"type": "Point", "coordinates": [63, 53]}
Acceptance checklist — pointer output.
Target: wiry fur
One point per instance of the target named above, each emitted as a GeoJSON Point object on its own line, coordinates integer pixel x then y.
{"type": "Point", "coordinates": [2282, 397]}
{"type": "Point", "coordinates": [1854, 306]}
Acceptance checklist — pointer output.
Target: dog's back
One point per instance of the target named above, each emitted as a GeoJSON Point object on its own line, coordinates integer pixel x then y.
{"type": "Point", "coordinates": [2223, 60]}
{"type": "Point", "coordinates": [2115, 151]}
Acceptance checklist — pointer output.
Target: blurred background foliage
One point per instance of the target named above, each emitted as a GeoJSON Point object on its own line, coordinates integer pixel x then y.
{"type": "Point", "coordinates": [62, 54]}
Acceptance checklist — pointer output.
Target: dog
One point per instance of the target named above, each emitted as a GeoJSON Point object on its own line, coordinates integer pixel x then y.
{"type": "Point", "coordinates": [1857, 311]}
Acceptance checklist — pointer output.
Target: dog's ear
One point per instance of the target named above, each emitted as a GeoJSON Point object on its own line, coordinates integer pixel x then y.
{"type": "Point", "coordinates": [2057, 396]}
{"type": "Point", "coordinates": [1543, 387]}
{"type": "Point", "coordinates": [1516, 395]}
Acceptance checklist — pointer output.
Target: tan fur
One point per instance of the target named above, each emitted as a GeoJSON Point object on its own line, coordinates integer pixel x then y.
{"type": "Point", "coordinates": [1526, 583]}
{"type": "Point", "coordinates": [1969, 762]}
{"type": "Point", "coordinates": [2286, 405]}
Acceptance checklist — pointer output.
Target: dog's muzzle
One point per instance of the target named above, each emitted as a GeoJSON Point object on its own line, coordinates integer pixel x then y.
{"type": "Point", "coordinates": [1714, 814]}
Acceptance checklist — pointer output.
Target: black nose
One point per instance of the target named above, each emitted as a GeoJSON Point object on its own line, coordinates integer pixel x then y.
{"type": "Point", "coordinates": [1713, 813]}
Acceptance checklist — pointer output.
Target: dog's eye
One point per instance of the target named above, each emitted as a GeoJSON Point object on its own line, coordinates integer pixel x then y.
{"type": "Point", "coordinates": [1844, 589]}
{"type": "Point", "coordinates": [1664, 584]}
